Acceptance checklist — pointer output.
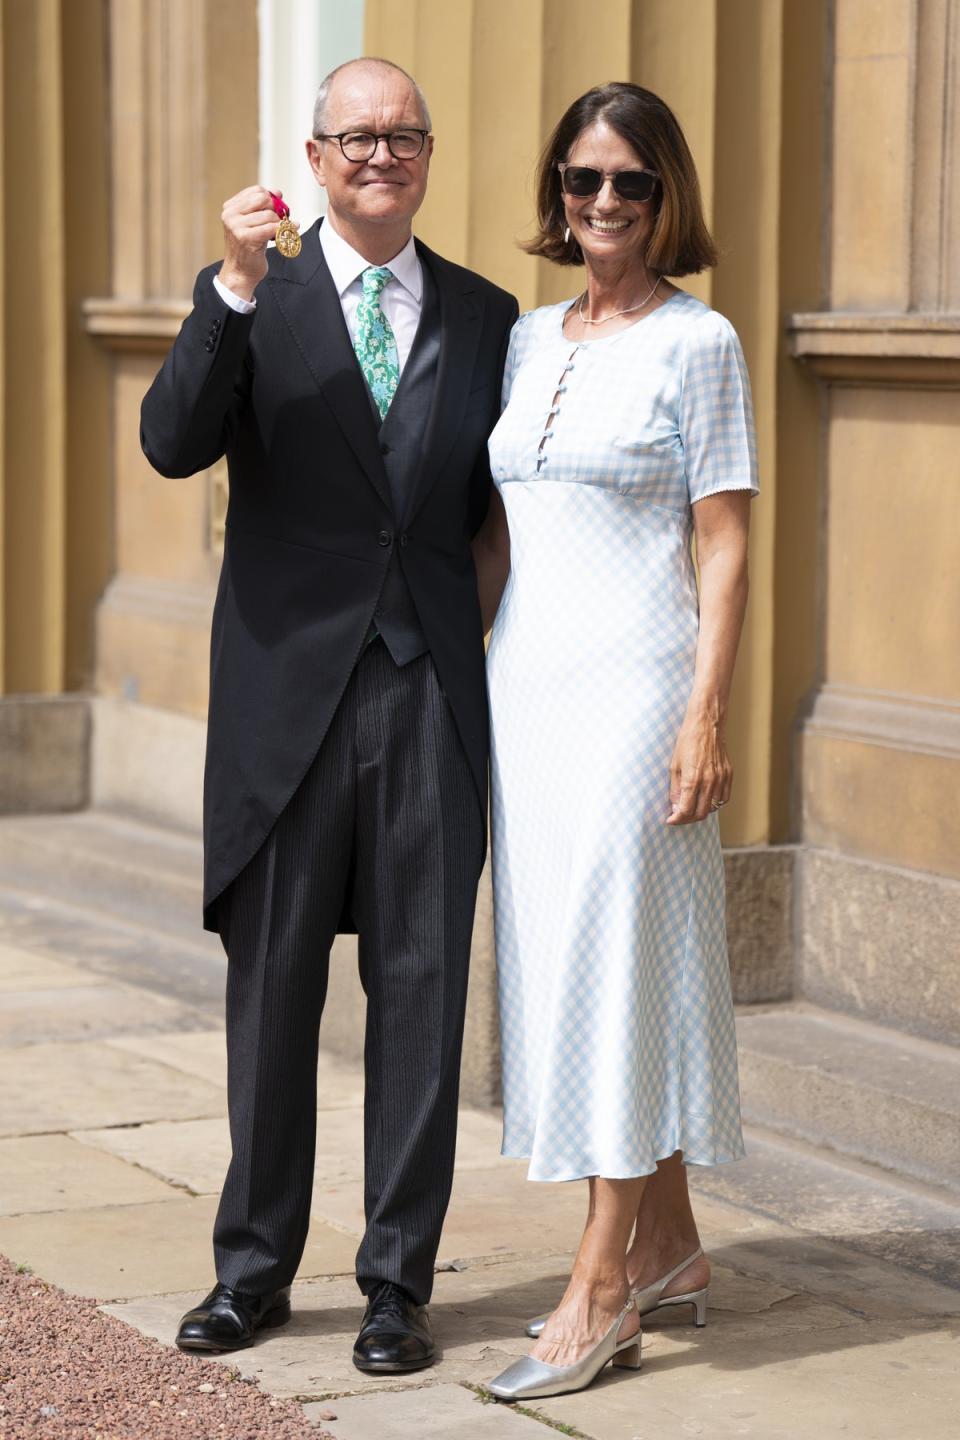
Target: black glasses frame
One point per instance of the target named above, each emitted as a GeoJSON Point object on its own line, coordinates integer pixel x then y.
{"type": "Point", "coordinates": [612, 175]}
{"type": "Point", "coordinates": [387, 135]}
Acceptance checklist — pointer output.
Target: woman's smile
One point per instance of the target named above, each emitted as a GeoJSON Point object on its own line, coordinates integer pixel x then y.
{"type": "Point", "coordinates": [614, 226]}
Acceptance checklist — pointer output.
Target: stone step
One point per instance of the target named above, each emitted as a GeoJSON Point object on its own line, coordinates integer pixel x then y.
{"type": "Point", "coordinates": [106, 863]}
{"type": "Point", "coordinates": [191, 971]}
{"type": "Point", "coordinates": [879, 943]}
{"type": "Point", "coordinates": [861, 1090]}
{"type": "Point", "coordinates": [836, 1201]}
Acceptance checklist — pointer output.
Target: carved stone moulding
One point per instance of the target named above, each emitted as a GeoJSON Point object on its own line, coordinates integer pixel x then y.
{"type": "Point", "coordinates": [856, 348]}
{"type": "Point", "coordinates": [138, 325]}
{"type": "Point", "coordinates": [925, 724]}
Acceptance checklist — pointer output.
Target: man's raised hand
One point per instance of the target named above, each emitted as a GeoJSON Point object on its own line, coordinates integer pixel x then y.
{"type": "Point", "coordinates": [249, 224]}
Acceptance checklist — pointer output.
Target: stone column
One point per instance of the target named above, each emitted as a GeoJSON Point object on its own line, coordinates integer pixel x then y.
{"type": "Point", "coordinates": [184, 126]}
{"type": "Point", "coordinates": [54, 393]}
{"type": "Point", "coordinates": [34, 350]}
{"type": "Point", "coordinates": [881, 745]}
{"type": "Point", "coordinates": [53, 385]}
{"type": "Point", "coordinates": [178, 72]}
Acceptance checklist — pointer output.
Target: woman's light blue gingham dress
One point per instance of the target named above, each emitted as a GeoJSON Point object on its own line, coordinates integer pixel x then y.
{"type": "Point", "coordinates": [616, 1016]}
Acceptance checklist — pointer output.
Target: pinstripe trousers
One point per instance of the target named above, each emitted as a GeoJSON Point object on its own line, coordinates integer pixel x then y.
{"type": "Point", "coordinates": [385, 823]}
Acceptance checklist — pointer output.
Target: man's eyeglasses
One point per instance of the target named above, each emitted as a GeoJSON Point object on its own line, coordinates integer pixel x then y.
{"type": "Point", "coordinates": [360, 145]}
{"type": "Point", "coordinates": [582, 181]}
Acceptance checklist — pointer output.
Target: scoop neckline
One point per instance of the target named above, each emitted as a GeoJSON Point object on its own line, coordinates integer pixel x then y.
{"type": "Point", "coordinates": [564, 306]}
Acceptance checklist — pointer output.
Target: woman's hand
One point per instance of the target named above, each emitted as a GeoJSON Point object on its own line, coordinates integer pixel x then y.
{"type": "Point", "coordinates": [701, 775]}
{"type": "Point", "coordinates": [491, 556]}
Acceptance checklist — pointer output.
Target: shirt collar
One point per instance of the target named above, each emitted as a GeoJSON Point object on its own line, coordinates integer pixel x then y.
{"type": "Point", "coordinates": [346, 264]}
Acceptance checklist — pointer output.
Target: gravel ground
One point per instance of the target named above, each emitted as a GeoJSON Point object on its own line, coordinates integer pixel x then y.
{"type": "Point", "coordinates": [69, 1372]}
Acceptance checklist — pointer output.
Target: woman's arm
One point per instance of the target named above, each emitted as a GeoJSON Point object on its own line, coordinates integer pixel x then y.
{"type": "Point", "coordinates": [491, 556]}
{"type": "Point", "coordinates": [701, 775]}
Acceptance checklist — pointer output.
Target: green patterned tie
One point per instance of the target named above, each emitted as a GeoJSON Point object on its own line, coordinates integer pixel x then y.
{"type": "Point", "coordinates": [375, 344]}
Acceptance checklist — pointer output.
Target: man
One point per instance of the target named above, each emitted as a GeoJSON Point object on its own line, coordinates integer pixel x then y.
{"type": "Point", "coordinates": [352, 389]}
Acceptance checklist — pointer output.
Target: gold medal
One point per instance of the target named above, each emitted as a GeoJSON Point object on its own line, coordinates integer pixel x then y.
{"type": "Point", "coordinates": [287, 238]}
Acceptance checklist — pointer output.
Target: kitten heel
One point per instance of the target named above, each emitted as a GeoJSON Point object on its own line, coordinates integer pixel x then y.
{"type": "Point", "coordinates": [696, 1298]}
{"type": "Point", "coordinates": [628, 1358]}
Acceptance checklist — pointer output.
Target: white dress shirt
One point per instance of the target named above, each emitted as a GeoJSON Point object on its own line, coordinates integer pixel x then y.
{"type": "Point", "coordinates": [400, 301]}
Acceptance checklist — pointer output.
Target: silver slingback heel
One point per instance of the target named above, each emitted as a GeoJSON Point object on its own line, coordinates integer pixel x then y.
{"type": "Point", "coordinates": [529, 1379]}
{"type": "Point", "coordinates": [651, 1298]}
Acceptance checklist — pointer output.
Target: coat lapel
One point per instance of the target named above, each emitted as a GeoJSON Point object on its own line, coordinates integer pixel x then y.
{"type": "Point", "coordinates": [460, 311]}
{"type": "Point", "coordinates": [308, 301]}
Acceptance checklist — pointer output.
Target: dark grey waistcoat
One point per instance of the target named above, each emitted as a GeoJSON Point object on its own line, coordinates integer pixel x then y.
{"type": "Point", "coordinates": [401, 438]}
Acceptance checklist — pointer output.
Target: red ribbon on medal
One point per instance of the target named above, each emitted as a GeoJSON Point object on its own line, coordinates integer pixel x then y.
{"type": "Point", "coordinates": [287, 237]}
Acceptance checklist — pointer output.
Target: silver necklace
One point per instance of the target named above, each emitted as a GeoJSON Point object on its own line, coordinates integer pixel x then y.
{"type": "Point", "coordinates": [629, 310]}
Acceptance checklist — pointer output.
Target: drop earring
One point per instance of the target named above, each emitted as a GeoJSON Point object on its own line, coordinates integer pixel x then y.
{"type": "Point", "coordinates": [566, 234]}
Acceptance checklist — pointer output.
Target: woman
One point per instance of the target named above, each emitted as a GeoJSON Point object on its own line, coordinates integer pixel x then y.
{"type": "Point", "coordinates": [626, 431]}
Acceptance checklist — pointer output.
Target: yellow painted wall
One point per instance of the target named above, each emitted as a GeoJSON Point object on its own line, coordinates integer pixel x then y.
{"type": "Point", "coordinates": [881, 749]}
{"type": "Point", "coordinates": [55, 514]}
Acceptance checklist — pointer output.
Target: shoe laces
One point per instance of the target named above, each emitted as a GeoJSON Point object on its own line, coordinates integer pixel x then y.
{"type": "Point", "coordinates": [390, 1299]}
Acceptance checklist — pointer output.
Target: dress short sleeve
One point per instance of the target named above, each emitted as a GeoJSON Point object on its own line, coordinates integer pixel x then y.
{"type": "Point", "coordinates": [516, 349]}
{"type": "Point", "coordinates": [716, 411]}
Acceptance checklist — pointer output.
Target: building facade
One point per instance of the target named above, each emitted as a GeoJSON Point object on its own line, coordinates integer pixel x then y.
{"type": "Point", "coordinates": [827, 137]}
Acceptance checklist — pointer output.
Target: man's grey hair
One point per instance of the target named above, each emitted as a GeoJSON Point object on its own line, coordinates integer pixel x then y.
{"type": "Point", "coordinates": [372, 61]}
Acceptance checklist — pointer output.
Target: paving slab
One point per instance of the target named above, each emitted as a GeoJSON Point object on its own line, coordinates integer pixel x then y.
{"type": "Point", "coordinates": [32, 970]}
{"type": "Point", "coordinates": [53, 1172]}
{"type": "Point", "coordinates": [89, 1084]}
{"type": "Point", "coordinates": [109, 862]}
{"type": "Point", "coordinates": [194, 1154]}
{"type": "Point", "coordinates": [339, 1084]}
{"type": "Point", "coordinates": [198, 1053]}
{"type": "Point", "coordinates": [193, 969]}
{"type": "Point", "coordinates": [203, 1053]}
{"type": "Point", "coordinates": [843, 1274]}
{"type": "Point", "coordinates": [492, 1212]}
{"type": "Point", "coordinates": [479, 1135]}
{"type": "Point", "coordinates": [191, 1154]}
{"type": "Point", "coordinates": [435, 1413]}
{"type": "Point", "coordinates": [87, 1012]}
{"type": "Point", "coordinates": [872, 1381]}
{"type": "Point", "coordinates": [114, 1251]}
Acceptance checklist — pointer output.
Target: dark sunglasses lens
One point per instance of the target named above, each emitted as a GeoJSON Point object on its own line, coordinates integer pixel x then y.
{"type": "Point", "coordinates": [635, 184]}
{"type": "Point", "coordinates": [581, 180]}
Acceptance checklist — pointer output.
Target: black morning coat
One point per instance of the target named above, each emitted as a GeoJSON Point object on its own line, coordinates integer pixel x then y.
{"type": "Point", "coordinates": [310, 529]}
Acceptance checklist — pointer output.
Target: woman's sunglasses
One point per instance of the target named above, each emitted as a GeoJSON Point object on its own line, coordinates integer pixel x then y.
{"type": "Point", "coordinates": [582, 181]}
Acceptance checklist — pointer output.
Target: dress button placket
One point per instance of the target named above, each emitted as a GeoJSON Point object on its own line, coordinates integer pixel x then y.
{"type": "Point", "coordinates": [554, 411]}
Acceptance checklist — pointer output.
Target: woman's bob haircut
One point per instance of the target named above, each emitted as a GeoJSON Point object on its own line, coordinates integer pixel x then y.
{"type": "Point", "coordinates": [680, 243]}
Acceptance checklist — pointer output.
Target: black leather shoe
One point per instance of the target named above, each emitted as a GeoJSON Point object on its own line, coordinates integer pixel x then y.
{"type": "Point", "coordinates": [395, 1334]}
{"type": "Point", "coordinates": [228, 1319]}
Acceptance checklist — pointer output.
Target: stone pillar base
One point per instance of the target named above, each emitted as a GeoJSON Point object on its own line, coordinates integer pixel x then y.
{"type": "Point", "coordinates": [880, 943]}
{"type": "Point", "coordinates": [44, 754]}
